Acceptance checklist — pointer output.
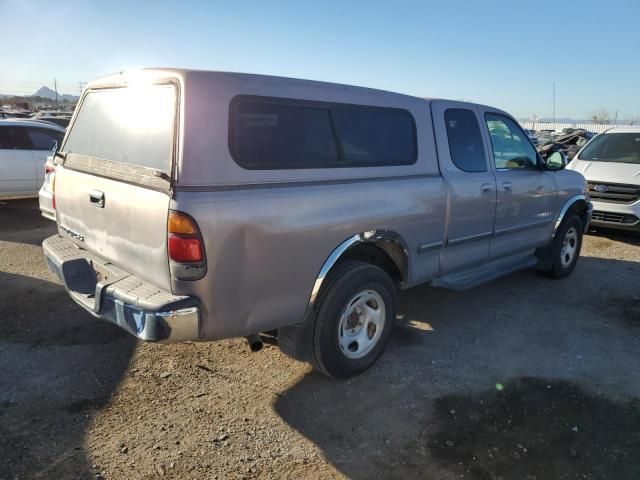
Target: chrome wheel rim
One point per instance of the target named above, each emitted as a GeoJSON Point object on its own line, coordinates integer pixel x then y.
{"type": "Point", "coordinates": [361, 324]}
{"type": "Point", "coordinates": [569, 247]}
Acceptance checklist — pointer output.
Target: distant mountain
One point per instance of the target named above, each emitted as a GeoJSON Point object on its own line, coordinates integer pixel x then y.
{"type": "Point", "coordinates": [46, 92]}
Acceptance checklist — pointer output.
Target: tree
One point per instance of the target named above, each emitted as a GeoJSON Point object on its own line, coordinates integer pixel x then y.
{"type": "Point", "coordinates": [600, 116]}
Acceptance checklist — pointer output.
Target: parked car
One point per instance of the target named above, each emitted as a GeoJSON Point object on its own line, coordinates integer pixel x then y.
{"type": "Point", "coordinates": [59, 120]}
{"type": "Point", "coordinates": [24, 146]}
{"type": "Point", "coordinates": [611, 164]}
{"type": "Point", "coordinates": [532, 136]}
{"type": "Point", "coordinates": [568, 143]}
{"type": "Point", "coordinates": [568, 130]}
{"type": "Point", "coordinates": [45, 194]}
{"type": "Point", "coordinates": [14, 114]}
{"type": "Point", "coordinates": [262, 204]}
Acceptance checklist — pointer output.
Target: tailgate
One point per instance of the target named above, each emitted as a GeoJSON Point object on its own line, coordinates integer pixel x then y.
{"type": "Point", "coordinates": [127, 225]}
{"type": "Point", "coordinates": [113, 187]}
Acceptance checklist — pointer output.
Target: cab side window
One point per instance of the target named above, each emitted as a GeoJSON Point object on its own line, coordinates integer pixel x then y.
{"type": "Point", "coordinates": [511, 148]}
{"type": "Point", "coordinates": [465, 141]}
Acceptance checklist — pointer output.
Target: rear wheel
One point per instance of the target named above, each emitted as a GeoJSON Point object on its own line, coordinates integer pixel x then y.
{"type": "Point", "coordinates": [353, 321]}
{"type": "Point", "coordinates": [350, 324]}
{"type": "Point", "coordinates": [566, 247]}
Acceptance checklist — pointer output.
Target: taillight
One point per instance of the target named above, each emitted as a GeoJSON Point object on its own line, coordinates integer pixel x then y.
{"type": "Point", "coordinates": [182, 249]}
{"type": "Point", "coordinates": [185, 247]}
{"type": "Point", "coordinates": [50, 179]}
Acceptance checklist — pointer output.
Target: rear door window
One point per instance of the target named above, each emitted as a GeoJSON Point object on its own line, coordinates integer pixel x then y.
{"type": "Point", "coordinates": [43, 139]}
{"type": "Point", "coordinates": [465, 141]}
{"type": "Point", "coordinates": [130, 125]}
{"type": "Point", "coordinates": [14, 138]}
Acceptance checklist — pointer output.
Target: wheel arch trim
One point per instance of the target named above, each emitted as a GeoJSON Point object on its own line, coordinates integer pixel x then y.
{"type": "Point", "coordinates": [567, 206]}
{"type": "Point", "coordinates": [376, 237]}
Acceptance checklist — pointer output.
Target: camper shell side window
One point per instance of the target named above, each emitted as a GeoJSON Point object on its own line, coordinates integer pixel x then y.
{"type": "Point", "coordinates": [267, 133]}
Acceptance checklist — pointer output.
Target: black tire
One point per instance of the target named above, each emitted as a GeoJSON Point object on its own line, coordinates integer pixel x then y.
{"type": "Point", "coordinates": [342, 286]}
{"type": "Point", "coordinates": [560, 266]}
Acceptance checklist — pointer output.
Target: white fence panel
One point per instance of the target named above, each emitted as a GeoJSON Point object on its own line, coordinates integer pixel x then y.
{"type": "Point", "coordinates": [592, 127]}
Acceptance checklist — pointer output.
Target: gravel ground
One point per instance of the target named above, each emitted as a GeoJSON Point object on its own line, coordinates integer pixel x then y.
{"type": "Point", "coordinates": [522, 378]}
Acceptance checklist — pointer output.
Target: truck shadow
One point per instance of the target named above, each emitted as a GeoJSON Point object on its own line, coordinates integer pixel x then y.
{"type": "Point", "coordinates": [21, 222]}
{"type": "Point", "coordinates": [58, 366]}
{"type": "Point", "coordinates": [512, 380]}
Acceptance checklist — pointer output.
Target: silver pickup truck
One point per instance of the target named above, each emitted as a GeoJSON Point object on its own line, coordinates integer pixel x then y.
{"type": "Point", "coordinates": [197, 205]}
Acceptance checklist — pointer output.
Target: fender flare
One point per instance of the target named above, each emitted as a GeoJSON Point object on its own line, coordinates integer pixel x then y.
{"type": "Point", "coordinates": [371, 236]}
{"type": "Point", "coordinates": [568, 204]}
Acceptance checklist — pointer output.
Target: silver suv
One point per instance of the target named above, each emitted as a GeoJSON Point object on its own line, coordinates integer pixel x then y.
{"type": "Point", "coordinates": [198, 205]}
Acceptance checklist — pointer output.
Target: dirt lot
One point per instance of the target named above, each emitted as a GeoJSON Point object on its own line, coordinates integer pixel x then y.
{"type": "Point", "coordinates": [523, 378]}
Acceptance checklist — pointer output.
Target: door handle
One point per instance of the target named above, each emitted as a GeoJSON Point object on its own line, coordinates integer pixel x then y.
{"type": "Point", "coordinates": [96, 198]}
{"type": "Point", "coordinates": [507, 187]}
{"type": "Point", "coordinates": [487, 188]}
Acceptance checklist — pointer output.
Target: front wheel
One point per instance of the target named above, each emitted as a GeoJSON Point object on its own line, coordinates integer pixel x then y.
{"type": "Point", "coordinates": [353, 320]}
{"type": "Point", "coordinates": [566, 247]}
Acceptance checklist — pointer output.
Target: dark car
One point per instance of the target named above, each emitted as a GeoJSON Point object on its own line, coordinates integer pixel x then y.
{"type": "Point", "coordinates": [567, 143]}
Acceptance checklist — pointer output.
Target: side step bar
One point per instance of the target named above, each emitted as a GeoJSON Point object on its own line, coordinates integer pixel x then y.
{"type": "Point", "coordinates": [484, 273]}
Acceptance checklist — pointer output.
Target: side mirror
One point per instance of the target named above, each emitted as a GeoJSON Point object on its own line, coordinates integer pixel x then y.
{"type": "Point", "coordinates": [54, 147]}
{"type": "Point", "coordinates": [555, 161]}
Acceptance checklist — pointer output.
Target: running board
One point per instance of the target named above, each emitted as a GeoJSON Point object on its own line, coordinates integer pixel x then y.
{"type": "Point", "coordinates": [485, 273]}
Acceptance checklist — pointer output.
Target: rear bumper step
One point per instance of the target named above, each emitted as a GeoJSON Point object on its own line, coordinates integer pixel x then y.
{"type": "Point", "coordinates": [110, 293]}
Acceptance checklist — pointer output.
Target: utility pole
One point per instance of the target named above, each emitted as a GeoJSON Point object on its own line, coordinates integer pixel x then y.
{"type": "Point", "coordinates": [55, 87]}
{"type": "Point", "coordinates": [81, 86]}
{"type": "Point", "coordinates": [554, 102]}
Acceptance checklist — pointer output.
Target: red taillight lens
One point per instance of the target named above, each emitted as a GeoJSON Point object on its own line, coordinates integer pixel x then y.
{"type": "Point", "coordinates": [184, 249]}
{"type": "Point", "coordinates": [49, 168]}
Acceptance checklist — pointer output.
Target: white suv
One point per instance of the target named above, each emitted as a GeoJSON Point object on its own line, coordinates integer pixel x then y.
{"type": "Point", "coordinates": [611, 164]}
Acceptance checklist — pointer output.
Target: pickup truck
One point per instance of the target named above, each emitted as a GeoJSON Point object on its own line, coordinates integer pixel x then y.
{"type": "Point", "coordinates": [197, 206]}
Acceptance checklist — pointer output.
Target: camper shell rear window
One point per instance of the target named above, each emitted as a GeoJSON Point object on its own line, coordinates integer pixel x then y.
{"type": "Point", "coordinates": [126, 125]}
{"type": "Point", "coordinates": [268, 133]}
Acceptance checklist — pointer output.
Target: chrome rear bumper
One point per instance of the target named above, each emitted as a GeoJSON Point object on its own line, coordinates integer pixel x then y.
{"type": "Point", "coordinates": [110, 293]}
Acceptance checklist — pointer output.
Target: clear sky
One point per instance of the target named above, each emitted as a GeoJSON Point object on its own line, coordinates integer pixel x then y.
{"type": "Point", "coordinates": [503, 53]}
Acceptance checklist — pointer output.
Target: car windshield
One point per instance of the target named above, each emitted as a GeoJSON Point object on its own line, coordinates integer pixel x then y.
{"type": "Point", "coordinates": [613, 147]}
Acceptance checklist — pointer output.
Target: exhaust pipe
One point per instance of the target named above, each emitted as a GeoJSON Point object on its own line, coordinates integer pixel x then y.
{"type": "Point", "coordinates": [255, 342]}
